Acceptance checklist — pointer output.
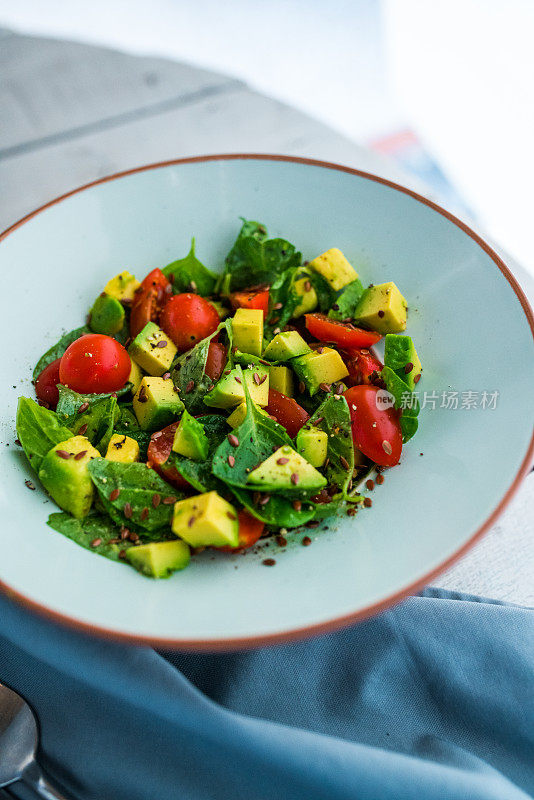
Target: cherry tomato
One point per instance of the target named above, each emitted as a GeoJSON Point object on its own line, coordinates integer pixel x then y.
{"type": "Point", "coordinates": [46, 384]}
{"type": "Point", "coordinates": [216, 361]}
{"type": "Point", "coordinates": [287, 411]}
{"type": "Point", "coordinates": [188, 318]}
{"type": "Point", "coordinates": [95, 363]}
{"type": "Point", "coordinates": [375, 430]}
{"type": "Point", "coordinates": [150, 298]}
{"type": "Point", "coordinates": [343, 334]}
{"type": "Point", "coordinates": [253, 298]}
{"type": "Point", "coordinates": [159, 451]}
{"type": "Point", "coordinates": [361, 365]}
{"type": "Point", "coordinates": [250, 530]}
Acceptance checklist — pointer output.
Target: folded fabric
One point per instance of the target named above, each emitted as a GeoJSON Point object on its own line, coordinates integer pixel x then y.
{"type": "Point", "coordinates": [431, 700]}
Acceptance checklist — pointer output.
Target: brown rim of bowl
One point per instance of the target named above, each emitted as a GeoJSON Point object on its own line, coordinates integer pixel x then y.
{"type": "Point", "coordinates": [213, 645]}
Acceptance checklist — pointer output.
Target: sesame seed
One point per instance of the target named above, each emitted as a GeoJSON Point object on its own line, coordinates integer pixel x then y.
{"type": "Point", "coordinates": [295, 478]}
{"type": "Point", "coordinates": [368, 502]}
{"type": "Point", "coordinates": [325, 387]}
{"type": "Point", "coordinates": [166, 376]}
{"type": "Point", "coordinates": [191, 522]}
{"type": "Point", "coordinates": [80, 455]}
{"type": "Point", "coordinates": [380, 479]}
{"type": "Point", "coordinates": [29, 484]}
{"type": "Point", "coordinates": [370, 484]}
{"type": "Point", "coordinates": [156, 500]}
{"type": "Point", "coordinates": [308, 286]}
{"type": "Point", "coordinates": [387, 447]}
{"type": "Point", "coordinates": [133, 537]}
{"type": "Point", "coordinates": [380, 313]}
{"type": "Point", "coordinates": [162, 343]}
{"type": "Point", "coordinates": [231, 461]}
{"type": "Point", "coordinates": [344, 463]}
{"type": "Point", "coordinates": [127, 511]}
{"type": "Point", "coordinates": [190, 386]}
{"type": "Point", "coordinates": [265, 499]}
{"type": "Point", "coordinates": [268, 562]}
{"type": "Point", "coordinates": [282, 461]}
{"type": "Point", "coordinates": [114, 494]}
{"type": "Point", "coordinates": [297, 505]}
{"type": "Point", "coordinates": [277, 306]}
{"type": "Point", "coordinates": [63, 454]}
{"type": "Point", "coordinates": [257, 379]}
{"type": "Point", "coordinates": [277, 331]}
{"type": "Point", "coordinates": [124, 532]}
{"type": "Point", "coordinates": [96, 542]}
{"type": "Point", "coordinates": [144, 513]}
{"type": "Point", "coordinates": [122, 554]}
{"type": "Point", "coordinates": [306, 541]}
{"type": "Point", "coordinates": [281, 540]}
{"type": "Point", "coordinates": [168, 501]}
{"type": "Point", "coordinates": [83, 407]}
{"type": "Point", "coordinates": [302, 387]}
{"type": "Point", "coordinates": [263, 379]}
{"type": "Point", "coordinates": [408, 368]}
{"type": "Point", "coordinates": [234, 441]}
{"type": "Point", "coordinates": [417, 378]}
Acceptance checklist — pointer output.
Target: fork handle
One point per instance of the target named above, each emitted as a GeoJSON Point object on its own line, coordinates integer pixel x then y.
{"type": "Point", "coordinates": [35, 779]}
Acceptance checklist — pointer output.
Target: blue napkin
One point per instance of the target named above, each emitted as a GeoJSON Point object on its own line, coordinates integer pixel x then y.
{"type": "Point", "coordinates": [433, 700]}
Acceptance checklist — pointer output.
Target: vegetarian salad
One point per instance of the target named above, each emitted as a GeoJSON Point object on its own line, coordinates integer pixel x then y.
{"type": "Point", "coordinates": [198, 410]}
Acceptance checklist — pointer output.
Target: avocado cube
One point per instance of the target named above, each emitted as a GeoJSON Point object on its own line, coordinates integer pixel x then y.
{"type": "Point", "coordinates": [123, 286]}
{"type": "Point", "coordinates": [123, 449]}
{"type": "Point", "coordinates": [136, 376]}
{"type": "Point", "coordinates": [286, 345]}
{"type": "Point", "coordinates": [281, 379]}
{"type": "Point", "coordinates": [156, 403]}
{"type": "Point", "coordinates": [247, 327]}
{"type": "Point", "coordinates": [106, 315]}
{"type": "Point", "coordinates": [190, 438]}
{"type": "Point", "coordinates": [229, 392]}
{"type": "Point", "coordinates": [383, 309]}
{"type": "Point", "coordinates": [334, 268]}
{"type": "Point", "coordinates": [308, 297]}
{"type": "Point", "coordinates": [159, 559]}
{"type": "Point", "coordinates": [401, 356]}
{"type": "Point", "coordinates": [238, 415]}
{"type": "Point", "coordinates": [323, 365]}
{"type": "Point", "coordinates": [65, 476]}
{"type": "Point", "coordinates": [153, 350]}
{"type": "Point", "coordinates": [312, 444]}
{"type": "Point", "coordinates": [206, 520]}
{"type": "Point", "coordinates": [286, 470]}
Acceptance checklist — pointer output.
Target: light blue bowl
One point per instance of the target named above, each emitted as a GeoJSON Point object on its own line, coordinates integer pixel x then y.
{"type": "Point", "coordinates": [472, 327]}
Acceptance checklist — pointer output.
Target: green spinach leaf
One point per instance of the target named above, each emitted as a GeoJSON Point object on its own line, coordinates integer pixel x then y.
{"type": "Point", "coordinates": [189, 274]}
{"type": "Point", "coordinates": [189, 371]}
{"type": "Point", "coordinates": [326, 296]}
{"type": "Point", "coordinates": [57, 350]}
{"type": "Point", "coordinates": [405, 399]}
{"type": "Point", "coordinates": [97, 421]}
{"type": "Point", "coordinates": [279, 511]}
{"type": "Point", "coordinates": [345, 305]}
{"type": "Point", "coordinates": [333, 417]}
{"type": "Point", "coordinates": [38, 430]}
{"type": "Point", "coordinates": [198, 473]}
{"type": "Point", "coordinates": [85, 531]}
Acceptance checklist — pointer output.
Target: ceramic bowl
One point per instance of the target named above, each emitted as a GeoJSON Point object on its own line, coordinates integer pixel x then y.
{"type": "Point", "coordinates": [472, 327]}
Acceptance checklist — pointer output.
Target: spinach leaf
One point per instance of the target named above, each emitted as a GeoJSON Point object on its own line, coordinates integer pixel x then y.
{"type": "Point", "coordinates": [283, 291]}
{"type": "Point", "coordinates": [254, 259]}
{"type": "Point", "coordinates": [70, 401]}
{"type": "Point", "coordinates": [57, 350]}
{"type": "Point", "coordinates": [189, 274]}
{"type": "Point", "coordinates": [278, 511]}
{"type": "Point", "coordinates": [97, 421]}
{"type": "Point", "coordinates": [345, 305]}
{"type": "Point", "coordinates": [198, 473]}
{"type": "Point", "coordinates": [333, 417]}
{"type": "Point", "coordinates": [258, 436]}
{"type": "Point", "coordinates": [137, 485]}
{"type": "Point", "coordinates": [405, 399]}
{"type": "Point", "coordinates": [127, 419]}
{"type": "Point", "coordinates": [38, 430]}
{"type": "Point", "coordinates": [85, 531]}
{"type": "Point", "coordinates": [188, 370]}
{"type": "Point", "coordinates": [326, 296]}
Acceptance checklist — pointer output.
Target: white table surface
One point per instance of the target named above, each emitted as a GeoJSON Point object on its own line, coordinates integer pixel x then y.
{"type": "Point", "coordinates": [72, 113]}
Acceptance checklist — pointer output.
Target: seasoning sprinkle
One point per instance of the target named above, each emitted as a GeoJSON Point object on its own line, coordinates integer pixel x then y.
{"type": "Point", "coordinates": [297, 505]}
{"type": "Point", "coordinates": [380, 313]}
{"type": "Point", "coordinates": [166, 376]}
{"type": "Point", "coordinates": [380, 479]}
{"type": "Point", "coordinates": [231, 461]}
{"type": "Point", "coordinates": [282, 461]}
{"type": "Point", "coordinates": [308, 286]}
{"type": "Point", "coordinates": [190, 386]}
{"type": "Point", "coordinates": [96, 542]}
{"type": "Point", "coordinates": [122, 554]}
{"type": "Point", "coordinates": [263, 379]}
{"type": "Point", "coordinates": [302, 387]}
{"type": "Point", "coordinates": [319, 349]}
{"type": "Point", "coordinates": [144, 513]}
{"type": "Point", "coordinates": [234, 441]}
{"type": "Point", "coordinates": [80, 455]}
{"type": "Point", "coordinates": [156, 500]}
{"type": "Point", "coordinates": [124, 532]}
{"type": "Point", "coordinates": [278, 306]}
{"type": "Point", "coordinates": [295, 478]}
{"type": "Point", "coordinates": [281, 540]}
{"type": "Point", "coordinates": [306, 541]}
{"type": "Point", "coordinates": [265, 499]}
{"type": "Point", "coordinates": [83, 407]}
{"type": "Point", "coordinates": [408, 368]}
{"type": "Point", "coordinates": [236, 378]}
{"type": "Point", "coordinates": [162, 343]}
{"type": "Point", "coordinates": [344, 463]}
{"type": "Point", "coordinates": [325, 387]}
{"type": "Point", "coordinates": [417, 378]}
{"type": "Point", "coordinates": [387, 448]}
{"type": "Point", "coordinates": [127, 510]}
{"type": "Point", "coordinates": [114, 494]}
{"type": "Point", "coordinates": [368, 502]}
{"type": "Point", "coordinates": [268, 562]}
{"type": "Point", "coordinates": [312, 524]}
{"type": "Point", "coordinates": [257, 379]}
{"type": "Point", "coordinates": [133, 537]}
{"type": "Point", "coordinates": [168, 501]}
{"type": "Point", "coordinates": [63, 454]}
{"type": "Point", "coordinates": [18, 442]}
{"type": "Point", "coordinates": [29, 484]}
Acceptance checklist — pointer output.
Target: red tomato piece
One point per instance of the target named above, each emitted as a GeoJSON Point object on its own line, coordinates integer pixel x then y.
{"type": "Point", "coordinates": [159, 451]}
{"type": "Point", "coordinates": [149, 300]}
{"type": "Point", "coordinates": [216, 361]}
{"type": "Point", "coordinates": [46, 384]}
{"type": "Point", "coordinates": [157, 280]}
{"type": "Point", "coordinates": [253, 298]}
{"type": "Point", "coordinates": [287, 411]}
{"type": "Point", "coordinates": [375, 430]}
{"type": "Point", "coordinates": [95, 363]}
{"type": "Point", "coordinates": [342, 334]}
{"type": "Point", "coordinates": [188, 318]}
{"type": "Point", "coordinates": [361, 364]}
{"type": "Point", "coordinates": [250, 530]}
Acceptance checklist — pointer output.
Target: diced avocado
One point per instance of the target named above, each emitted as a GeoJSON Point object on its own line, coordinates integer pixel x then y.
{"type": "Point", "coordinates": [123, 286]}
{"type": "Point", "coordinates": [229, 391]}
{"type": "Point", "coordinates": [286, 469]}
{"type": "Point", "coordinates": [221, 309]}
{"type": "Point", "coordinates": [159, 559]}
{"type": "Point", "coordinates": [286, 345]}
{"type": "Point", "coordinates": [238, 415]}
{"type": "Point", "coordinates": [308, 296]}
{"type": "Point", "coordinates": [334, 268]}
{"type": "Point", "coordinates": [312, 444]}
{"type": "Point", "coordinates": [153, 350]}
{"type": "Point", "coordinates": [123, 449]}
{"type": "Point", "coordinates": [136, 376]}
{"type": "Point", "coordinates": [383, 309]}
{"type": "Point", "coordinates": [281, 379]}
{"type": "Point", "coordinates": [247, 327]}
{"type": "Point", "coordinates": [190, 438]}
{"type": "Point", "coordinates": [156, 403]}
{"type": "Point", "coordinates": [323, 365]}
{"type": "Point", "coordinates": [346, 303]}
{"type": "Point", "coordinates": [65, 476]}
{"type": "Point", "coordinates": [206, 520]}
{"type": "Point", "coordinates": [106, 315]}
{"type": "Point", "coordinates": [401, 356]}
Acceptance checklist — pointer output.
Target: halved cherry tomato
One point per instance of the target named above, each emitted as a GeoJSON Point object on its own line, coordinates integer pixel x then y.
{"type": "Point", "coordinates": [188, 318]}
{"type": "Point", "coordinates": [342, 334]}
{"type": "Point", "coordinates": [150, 298]}
{"type": "Point", "coordinates": [253, 298]}
{"type": "Point", "coordinates": [375, 430]}
{"type": "Point", "coordinates": [46, 384]}
{"type": "Point", "coordinates": [95, 363]}
{"type": "Point", "coordinates": [216, 361]}
{"type": "Point", "coordinates": [287, 411]}
{"type": "Point", "coordinates": [361, 364]}
{"type": "Point", "coordinates": [159, 451]}
{"type": "Point", "coordinates": [250, 530]}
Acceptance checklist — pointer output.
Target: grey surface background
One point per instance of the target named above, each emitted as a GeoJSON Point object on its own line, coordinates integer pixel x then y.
{"type": "Point", "coordinates": [72, 113]}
